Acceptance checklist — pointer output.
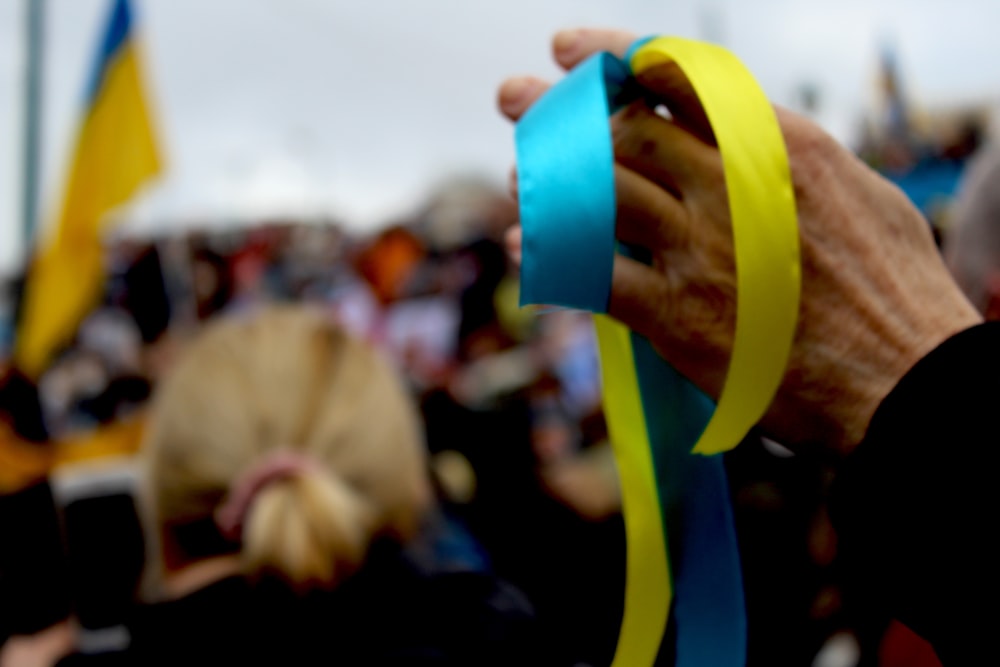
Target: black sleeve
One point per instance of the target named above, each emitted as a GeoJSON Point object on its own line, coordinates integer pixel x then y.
{"type": "Point", "coordinates": [915, 504]}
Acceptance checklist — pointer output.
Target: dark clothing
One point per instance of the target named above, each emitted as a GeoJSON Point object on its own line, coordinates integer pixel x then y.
{"type": "Point", "coordinates": [390, 613]}
{"type": "Point", "coordinates": [915, 507]}
{"type": "Point", "coordinates": [435, 603]}
{"type": "Point", "coordinates": [21, 407]}
{"type": "Point", "coordinates": [775, 504]}
{"type": "Point", "coordinates": [915, 504]}
{"type": "Point", "coordinates": [34, 573]}
{"type": "Point", "coordinates": [572, 569]}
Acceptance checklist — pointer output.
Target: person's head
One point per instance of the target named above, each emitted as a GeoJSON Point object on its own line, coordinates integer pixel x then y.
{"type": "Point", "coordinates": [302, 431]}
{"type": "Point", "coordinates": [972, 245]}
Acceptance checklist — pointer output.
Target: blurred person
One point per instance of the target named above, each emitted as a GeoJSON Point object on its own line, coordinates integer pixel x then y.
{"type": "Point", "coordinates": [76, 378]}
{"type": "Point", "coordinates": [34, 572]}
{"type": "Point", "coordinates": [972, 245]}
{"type": "Point", "coordinates": [478, 310]}
{"type": "Point", "coordinates": [389, 262]}
{"type": "Point", "coordinates": [354, 304]}
{"type": "Point", "coordinates": [546, 523]}
{"type": "Point", "coordinates": [892, 371]}
{"type": "Point", "coordinates": [249, 267]}
{"type": "Point", "coordinates": [211, 282]}
{"type": "Point", "coordinates": [568, 341]}
{"type": "Point", "coordinates": [289, 518]}
{"type": "Point", "coordinates": [792, 599]}
{"type": "Point", "coordinates": [463, 210]}
{"type": "Point", "coordinates": [113, 334]}
{"type": "Point", "coordinates": [537, 487]}
{"type": "Point", "coordinates": [6, 334]}
{"type": "Point", "coordinates": [143, 292]}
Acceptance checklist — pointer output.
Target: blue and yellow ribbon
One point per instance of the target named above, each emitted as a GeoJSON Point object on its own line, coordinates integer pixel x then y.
{"type": "Point", "coordinates": [683, 563]}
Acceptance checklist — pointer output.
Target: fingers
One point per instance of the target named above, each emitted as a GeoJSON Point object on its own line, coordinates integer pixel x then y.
{"type": "Point", "coordinates": [662, 151]}
{"type": "Point", "coordinates": [648, 215]}
{"type": "Point", "coordinates": [512, 241]}
{"type": "Point", "coordinates": [636, 292]}
{"type": "Point", "coordinates": [517, 94]}
{"type": "Point", "coordinates": [667, 82]}
{"type": "Point", "coordinates": [570, 47]}
{"type": "Point", "coordinates": [670, 87]}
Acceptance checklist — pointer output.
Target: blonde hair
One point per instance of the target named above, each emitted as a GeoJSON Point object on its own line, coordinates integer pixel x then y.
{"type": "Point", "coordinates": [287, 379]}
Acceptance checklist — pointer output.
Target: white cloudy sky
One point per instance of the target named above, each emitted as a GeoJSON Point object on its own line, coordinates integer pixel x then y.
{"type": "Point", "coordinates": [356, 107]}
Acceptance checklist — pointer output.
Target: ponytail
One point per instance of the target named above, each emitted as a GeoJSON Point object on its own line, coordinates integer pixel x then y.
{"type": "Point", "coordinates": [259, 427]}
{"type": "Point", "coordinates": [310, 529]}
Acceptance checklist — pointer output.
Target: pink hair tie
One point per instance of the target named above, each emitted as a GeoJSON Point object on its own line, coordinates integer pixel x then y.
{"type": "Point", "coordinates": [274, 467]}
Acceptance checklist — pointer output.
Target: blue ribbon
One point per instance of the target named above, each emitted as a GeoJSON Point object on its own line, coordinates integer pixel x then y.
{"type": "Point", "coordinates": [566, 182]}
{"type": "Point", "coordinates": [568, 209]}
{"type": "Point", "coordinates": [709, 610]}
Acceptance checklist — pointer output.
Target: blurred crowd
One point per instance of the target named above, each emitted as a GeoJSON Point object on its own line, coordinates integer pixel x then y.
{"type": "Point", "coordinates": [510, 399]}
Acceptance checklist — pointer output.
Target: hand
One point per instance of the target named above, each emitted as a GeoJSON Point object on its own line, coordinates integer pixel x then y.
{"type": "Point", "coordinates": [876, 296]}
{"type": "Point", "coordinates": [43, 649]}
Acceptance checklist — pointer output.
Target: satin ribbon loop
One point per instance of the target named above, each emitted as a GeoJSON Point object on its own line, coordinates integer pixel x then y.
{"type": "Point", "coordinates": [683, 562]}
{"type": "Point", "coordinates": [560, 156]}
{"type": "Point", "coordinates": [764, 224]}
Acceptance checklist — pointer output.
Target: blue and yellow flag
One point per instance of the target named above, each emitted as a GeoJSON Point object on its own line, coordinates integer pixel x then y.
{"type": "Point", "coordinates": [115, 154]}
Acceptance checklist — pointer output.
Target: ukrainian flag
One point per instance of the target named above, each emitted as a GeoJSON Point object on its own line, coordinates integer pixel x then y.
{"type": "Point", "coordinates": [115, 154]}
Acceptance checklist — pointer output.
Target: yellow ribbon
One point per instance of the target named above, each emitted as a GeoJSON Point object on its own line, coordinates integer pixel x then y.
{"type": "Point", "coordinates": [765, 229]}
{"type": "Point", "coordinates": [648, 591]}
{"type": "Point", "coordinates": [768, 275]}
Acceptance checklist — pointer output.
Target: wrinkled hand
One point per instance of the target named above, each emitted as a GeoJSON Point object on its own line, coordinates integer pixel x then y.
{"type": "Point", "coordinates": [876, 296]}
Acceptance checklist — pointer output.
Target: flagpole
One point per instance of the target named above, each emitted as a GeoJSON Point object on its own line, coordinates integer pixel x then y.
{"type": "Point", "coordinates": [34, 40]}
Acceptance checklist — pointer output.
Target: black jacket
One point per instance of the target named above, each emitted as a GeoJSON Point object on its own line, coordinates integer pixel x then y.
{"type": "Point", "coordinates": [915, 505]}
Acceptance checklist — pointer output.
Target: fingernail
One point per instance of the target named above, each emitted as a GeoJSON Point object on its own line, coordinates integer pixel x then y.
{"type": "Point", "coordinates": [514, 93]}
{"type": "Point", "coordinates": [566, 42]}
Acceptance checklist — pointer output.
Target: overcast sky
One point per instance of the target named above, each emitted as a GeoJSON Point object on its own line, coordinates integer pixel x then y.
{"type": "Point", "coordinates": [357, 107]}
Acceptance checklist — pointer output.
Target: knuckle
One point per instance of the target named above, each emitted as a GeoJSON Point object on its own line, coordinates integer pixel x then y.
{"type": "Point", "coordinates": [630, 136]}
{"type": "Point", "coordinates": [807, 141]}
